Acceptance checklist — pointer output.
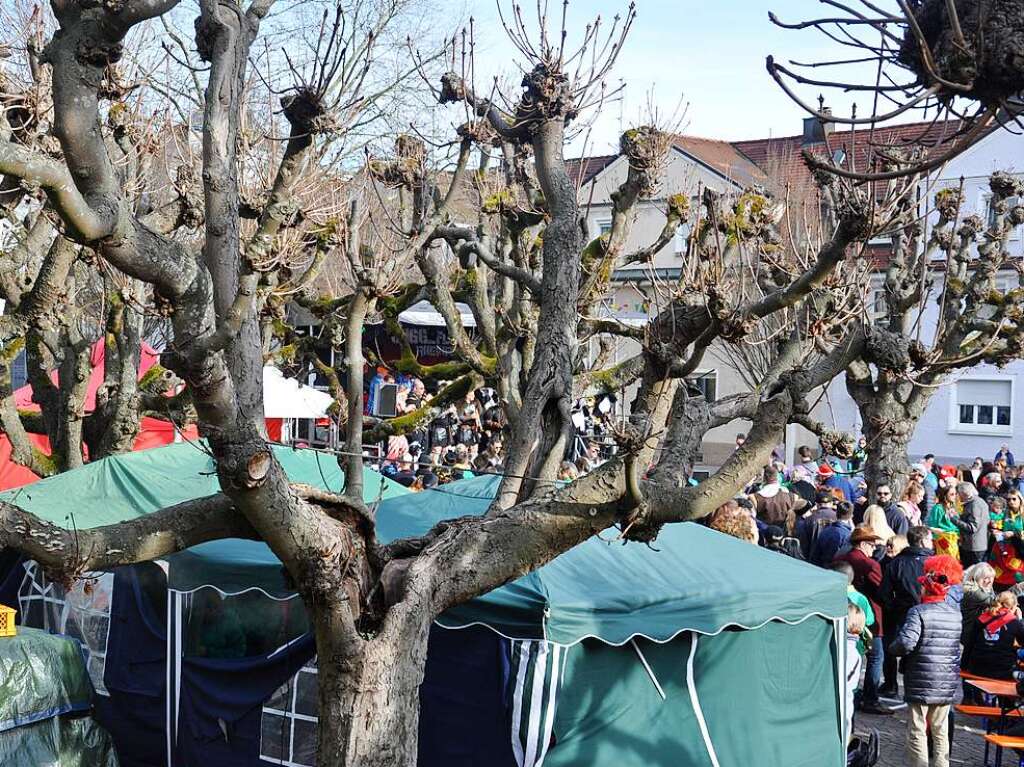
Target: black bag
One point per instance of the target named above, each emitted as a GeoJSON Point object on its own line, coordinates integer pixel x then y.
{"type": "Point", "coordinates": [863, 753]}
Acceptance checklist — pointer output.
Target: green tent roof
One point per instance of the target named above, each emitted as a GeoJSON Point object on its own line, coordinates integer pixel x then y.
{"type": "Point", "coordinates": [131, 485]}
{"type": "Point", "coordinates": [691, 579]}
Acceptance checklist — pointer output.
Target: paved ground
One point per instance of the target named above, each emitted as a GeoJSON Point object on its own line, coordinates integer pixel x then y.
{"type": "Point", "coordinates": [892, 730]}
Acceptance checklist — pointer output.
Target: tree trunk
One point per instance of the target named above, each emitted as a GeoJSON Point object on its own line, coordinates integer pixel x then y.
{"type": "Point", "coordinates": [352, 462]}
{"type": "Point", "coordinates": [544, 423]}
{"type": "Point", "coordinates": [369, 694]}
{"type": "Point", "coordinates": [888, 426]}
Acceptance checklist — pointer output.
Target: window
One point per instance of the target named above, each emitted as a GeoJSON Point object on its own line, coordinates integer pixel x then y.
{"type": "Point", "coordinates": [982, 406]}
{"type": "Point", "coordinates": [1005, 282]}
{"type": "Point", "coordinates": [289, 723]}
{"type": "Point", "coordinates": [83, 613]}
{"type": "Point", "coordinates": [877, 309]}
{"type": "Point", "coordinates": [679, 241]}
{"type": "Point", "coordinates": [990, 209]}
{"type": "Point", "coordinates": [706, 383]}
{"type": "Point", "coordinates": [604, 226]}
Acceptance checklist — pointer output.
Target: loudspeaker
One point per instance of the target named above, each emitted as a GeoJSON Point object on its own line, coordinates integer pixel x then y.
{"type": "Point", "coordinates": [387, 401]}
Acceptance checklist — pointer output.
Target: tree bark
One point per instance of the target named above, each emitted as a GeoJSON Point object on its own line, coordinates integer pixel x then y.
{"type": "Point", "coordinates": [369, 694]}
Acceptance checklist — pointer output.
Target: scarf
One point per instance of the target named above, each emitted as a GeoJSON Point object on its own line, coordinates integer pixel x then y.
{"type": "Point", "coordinates": [994, 622]}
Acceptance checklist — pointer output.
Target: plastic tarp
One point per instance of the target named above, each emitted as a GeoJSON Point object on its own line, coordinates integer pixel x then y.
{"type": "Point", "coordinates": [691, 579]}
{"type": "Point", "coordinates": [132, 485]}
{"type": "Point", "coordinates": [59, 742]}
{"type": "Point", "coordinates": [41, 676]}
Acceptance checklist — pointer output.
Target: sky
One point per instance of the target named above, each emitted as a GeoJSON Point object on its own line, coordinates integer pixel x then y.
{"type": "Point", "coordinates": [709, 54]}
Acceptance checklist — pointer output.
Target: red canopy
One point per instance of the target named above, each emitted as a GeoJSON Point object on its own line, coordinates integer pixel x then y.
{"type": "Point", "coordinates": [153, 431]}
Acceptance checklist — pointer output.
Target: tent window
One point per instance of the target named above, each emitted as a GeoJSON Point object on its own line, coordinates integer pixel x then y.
{"type": "Point", "coordinates": [83, 612]}
{"type": "Point", "coordinates": [289, 724]}
{"type": "Point", "coordinates": [241, 625]}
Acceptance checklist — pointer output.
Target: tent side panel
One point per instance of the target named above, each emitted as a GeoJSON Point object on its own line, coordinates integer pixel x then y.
{"type": "Point", "coordinates": [464, 721]}
{"type": "Point", "coordinates": [777, 686]}
{"type": "Point", "coordinates": [611, 713]}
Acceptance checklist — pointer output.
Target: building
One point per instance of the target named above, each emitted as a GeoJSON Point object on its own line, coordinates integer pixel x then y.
{"type": "Point", "coordinates": [973, 415]}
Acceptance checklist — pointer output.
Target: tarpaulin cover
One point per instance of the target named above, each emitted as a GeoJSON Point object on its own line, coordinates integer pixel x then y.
{"type": "Point", "coordinates": [41, 676]}
{"type": "Point", "coordinates": [59, 742]}
{"type": "Point", "coordinates": [691, 579]}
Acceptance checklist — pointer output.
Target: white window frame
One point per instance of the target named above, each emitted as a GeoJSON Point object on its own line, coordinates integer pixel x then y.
{"type": "Point", "coordinates": [604, 225]}
{"type": "Point", "coordinates": [290, 717]}
{"type": "Point", "coordinates": [709, 375]}
{"type": "Point", "coordinates": [36, 587]}
{"type": "Point", "coordinates": [993, 430]}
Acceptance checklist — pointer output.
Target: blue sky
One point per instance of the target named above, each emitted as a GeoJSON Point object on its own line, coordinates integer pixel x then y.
{"type": "Point", "coordinates": [707, 53]}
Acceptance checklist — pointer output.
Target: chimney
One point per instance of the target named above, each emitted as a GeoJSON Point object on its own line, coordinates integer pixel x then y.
{"type": "Point", "coordinates": [815, 130]}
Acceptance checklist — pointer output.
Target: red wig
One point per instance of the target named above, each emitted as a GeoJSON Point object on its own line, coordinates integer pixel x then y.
{"type": "Point", "coordinates": [940, 572]}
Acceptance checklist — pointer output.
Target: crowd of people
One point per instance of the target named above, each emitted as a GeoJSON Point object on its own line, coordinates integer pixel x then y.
{"type": "Point", "coordinates": [935, 574]}
{"type": "Point", "coordinates": [467, 437]}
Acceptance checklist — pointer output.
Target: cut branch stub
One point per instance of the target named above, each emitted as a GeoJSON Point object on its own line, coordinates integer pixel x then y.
{"type": "Point", "coordinates": [257, 468]}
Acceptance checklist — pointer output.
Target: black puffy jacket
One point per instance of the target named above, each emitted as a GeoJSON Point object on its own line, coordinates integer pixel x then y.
{"type": "Point", "coordinates": [900, 589]}
{"type": "Point", "coordinates": [929, 640]}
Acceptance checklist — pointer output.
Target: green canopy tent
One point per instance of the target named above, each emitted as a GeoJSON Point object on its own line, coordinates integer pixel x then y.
{"type": "Point", "coordinates": [699, 650]}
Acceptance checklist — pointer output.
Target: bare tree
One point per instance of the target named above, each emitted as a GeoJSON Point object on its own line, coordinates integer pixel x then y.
{"type": "Point", "coordinates": [219, 263]}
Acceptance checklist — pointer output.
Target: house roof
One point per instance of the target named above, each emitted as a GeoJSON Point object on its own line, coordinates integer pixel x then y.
{"type": "Point", "coordinates": [782, 158]}
{"type": "Point", "coordinates": [722, 157]}
{"type": "Point", "coordinates": [583, 169]}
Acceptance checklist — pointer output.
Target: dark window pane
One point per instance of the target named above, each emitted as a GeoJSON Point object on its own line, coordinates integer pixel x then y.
{"type": "Point", "coordinates": [1003, 415]}
{"type": "Point", "coordinates": [985, 414]}
{"type": "Point", "coordinates": [306, 694]}
{"type": "Point", "coordinates": [274, 737]}
{"type": "Point", "coordinates": [967, 414]}
{"type": "Point", "coordinates": [304, 744]}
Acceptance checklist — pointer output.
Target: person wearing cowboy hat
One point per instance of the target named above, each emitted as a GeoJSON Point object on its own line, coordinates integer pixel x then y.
{"type": "Point", "coordinates": [867, 579]}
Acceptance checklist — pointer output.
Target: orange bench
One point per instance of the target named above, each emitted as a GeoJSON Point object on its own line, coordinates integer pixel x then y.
{"type": "Point", "coordinates": [987, 711]}
{"type": "Point", "coordinates": [1006, 741]}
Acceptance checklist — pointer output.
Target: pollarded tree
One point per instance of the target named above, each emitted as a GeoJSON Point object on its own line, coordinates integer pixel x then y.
{"type": "Point", "coordinates": [371, 605]}
{"type": "Point", "coordinates": [958, 66]}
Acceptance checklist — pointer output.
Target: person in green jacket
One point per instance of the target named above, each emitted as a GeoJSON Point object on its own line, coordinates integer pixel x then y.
{"type": "Point", "coordinates": [942, 521]}
{"type": "Point", "coordinates": [1013, 519]}
{"type": "Point", "coordinates": [854, 597]}
{"type": "Point", "coordinates": [945, 511]}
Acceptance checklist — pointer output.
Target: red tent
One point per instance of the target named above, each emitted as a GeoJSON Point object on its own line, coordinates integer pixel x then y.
{"type": "Point", "coordinates": [153, 432]}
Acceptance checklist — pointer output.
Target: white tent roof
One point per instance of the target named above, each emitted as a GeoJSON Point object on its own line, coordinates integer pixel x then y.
{"type": "Point", "coordinates": [424, 314]}
{"type": "Point", "coordinates": [287, 398]}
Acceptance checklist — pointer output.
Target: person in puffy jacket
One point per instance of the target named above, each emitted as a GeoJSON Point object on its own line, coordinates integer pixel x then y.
{"type": "Point", "coordinates": [929, 642]}
{"type": "Point", "coordinates": [901, 589]}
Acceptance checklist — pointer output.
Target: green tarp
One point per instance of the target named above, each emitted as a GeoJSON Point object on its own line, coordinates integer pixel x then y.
{"type": "Point", "coordinates": [135, 484]}
{"type": "Point", "coordinates": [41, 676]}
{"type": "Point", "coordinates": [58, 742]}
